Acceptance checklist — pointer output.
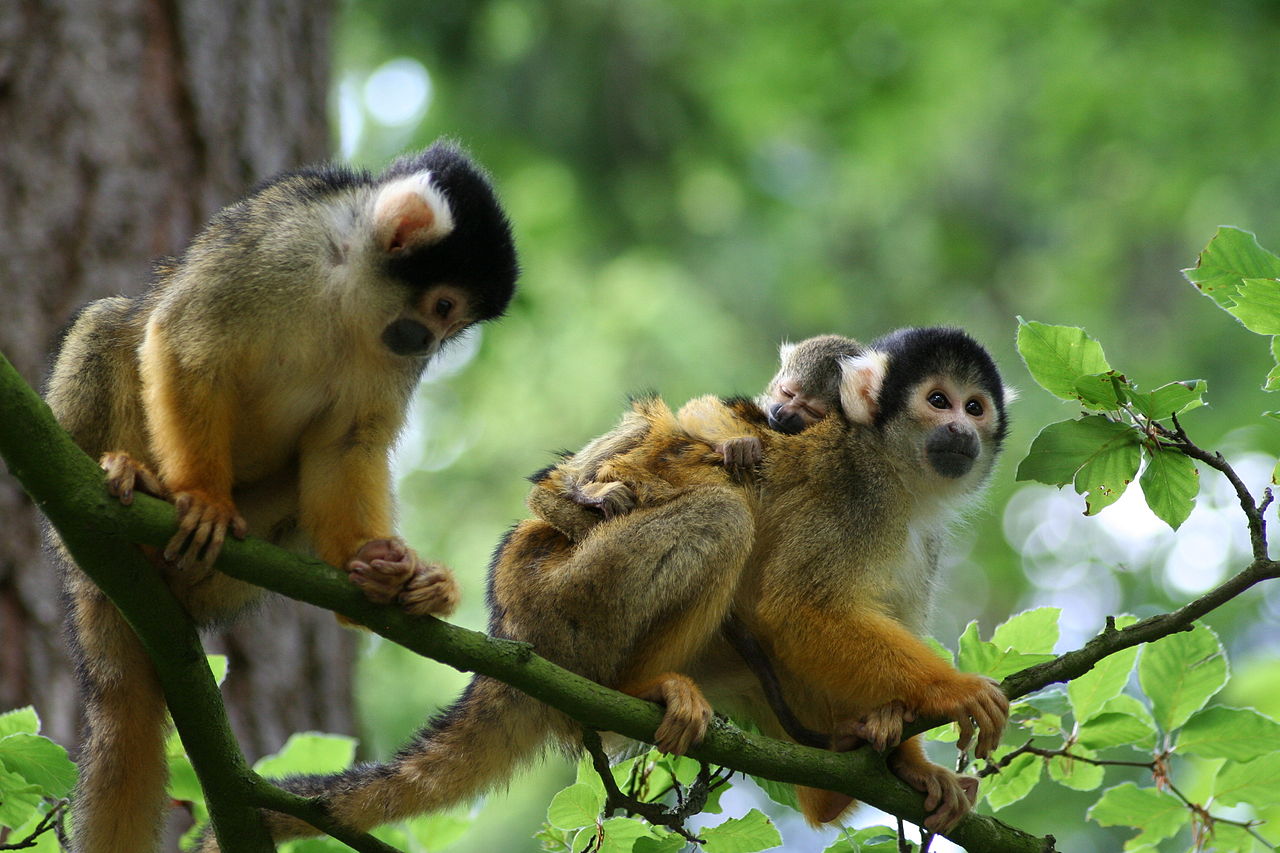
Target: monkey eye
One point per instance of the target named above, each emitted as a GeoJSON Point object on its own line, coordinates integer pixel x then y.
{"type": "Point", "coordinates": [938, 400]}
{"type": "Point", "coordinates": [974, 408]}
{"type": "Point", "coordinates": [443, 307]}
{"type": "Point", "coordinates": [786, 392]}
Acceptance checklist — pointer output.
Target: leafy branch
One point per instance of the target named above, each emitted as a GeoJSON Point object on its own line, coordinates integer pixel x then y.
{"type": "Point", "coordinates": [67, 486]}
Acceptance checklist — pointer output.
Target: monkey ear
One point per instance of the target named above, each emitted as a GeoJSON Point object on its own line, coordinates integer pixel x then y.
{"type": "Point", "coordinates": [409, 213]}
{"type": "Point", "coordinates": [784, 351]}
{"type": "Point", "coordinates": [1010, 394]}
{"type": "Point", "coordinates": [861, 377]}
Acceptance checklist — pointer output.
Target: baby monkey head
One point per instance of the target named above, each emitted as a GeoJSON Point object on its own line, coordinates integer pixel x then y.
{"type": "Point", "coordinates": [443, 240]}
{"type": "Point", "coordinates": [807, 385]}
{"type": "Point", "coordinates": [936, 397]}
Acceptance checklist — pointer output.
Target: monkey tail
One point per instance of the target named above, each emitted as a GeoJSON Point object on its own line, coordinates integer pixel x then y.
{"type": "Point", "coordinates": [119, 801]}
{"type": "Point", "coordinates": [473, 745]}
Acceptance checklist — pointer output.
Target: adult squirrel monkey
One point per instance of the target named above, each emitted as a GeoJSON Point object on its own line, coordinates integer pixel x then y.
{"type": "Point", "coordinates": [828, 557]}
{"type": "Point", "coordinates": [259, 385]}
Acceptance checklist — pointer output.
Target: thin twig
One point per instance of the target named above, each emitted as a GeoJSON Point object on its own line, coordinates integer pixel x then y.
{"type": "Point", "coordinates": [49, 823]}
{"type": "Point", "coordinates": [655, 813]}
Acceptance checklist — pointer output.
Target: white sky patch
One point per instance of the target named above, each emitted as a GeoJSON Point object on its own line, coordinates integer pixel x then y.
{"type": "Point", "coordinates": [1071, 559]}
{"type": "Point", "coordinates": [350, 116]}
{"type": "Point", "coordinates": [398, 92]}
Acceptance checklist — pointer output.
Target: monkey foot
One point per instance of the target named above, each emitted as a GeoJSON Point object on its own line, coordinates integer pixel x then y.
{"type": "Point", "coordinates": [203, 523]}
{"type": "Point", "coordinates": [686, 712]}
{"type": "Point", "coordinates": [610, 498]}
{"type": "Point", "coordinates": [126, 474]}
{"type": "Point", "coordinates": [984, 706]}
{"type": "Point", "coordinates": [389, 571]}
{"type": "Point", "coordinates": [948, 797]}
{"type": "Point", "coordinates": [882, 728]}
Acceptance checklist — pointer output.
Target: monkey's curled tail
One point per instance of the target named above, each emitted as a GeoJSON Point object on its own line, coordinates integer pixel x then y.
{"type": "Point", "coordinates": [475, 744]}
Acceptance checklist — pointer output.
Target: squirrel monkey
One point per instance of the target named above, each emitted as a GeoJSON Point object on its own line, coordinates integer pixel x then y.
{"type": "Point", "coordinates": [803, 391]}
{"type": "Point", "coordinates": [259, 384]}
{"type": "Point", "coordinates": [828, 558]}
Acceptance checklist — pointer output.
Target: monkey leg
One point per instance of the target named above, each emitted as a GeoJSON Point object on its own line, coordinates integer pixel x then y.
{"type": "Point", "coordinates": [639, 596]}
{"type": "Point", "coordinates": [119, 800]}
{"type": "Point", "coordinates": [686, 712]}
{"type": "Point", "coordinates": [871, 660]}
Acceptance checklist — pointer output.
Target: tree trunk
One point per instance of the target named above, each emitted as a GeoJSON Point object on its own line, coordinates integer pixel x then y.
{"type": "Point", "coordinates": [125, 124]}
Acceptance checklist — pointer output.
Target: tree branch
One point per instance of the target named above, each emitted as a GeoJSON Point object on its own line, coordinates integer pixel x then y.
{"type": "Point", "coordinates": [67, 485]}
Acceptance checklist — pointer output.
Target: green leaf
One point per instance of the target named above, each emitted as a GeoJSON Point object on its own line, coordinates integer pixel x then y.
{"type": "Point", "coordinates": [1057, 356]}
{"type": "Point", "coordinates": [1256, 304]}
{"type": "Point", "coordinates": [989, 659]}
{"type": "Point", "coordinates": [1231, 256]}
{"type": "Point", "coordinates": [1013, 782]}
{"type": "Point", "coordinates": [669, 843]}
{"type": "Point", "coordinates": [1170, 484]}
{"type": "Point", "coordinates": [21, 720]}
{"type": "Point", "coordinates": [782, 793]}
{"type": "Point", "coordinates": [1031, 631]}
{"type": "Point", "coordinates": [621, 834]}
{"type": "Point", "coordinates": [1098, 455]}
{"type": "Point", "coordinates": [940, 650]}
{"type": "Point", "coordinates": [18, 799]}
{"type": "Point", "coordinates": [1273, 378]}
{"type": "Point", "coordinates": [747, 834]}
{"type": "Point", "coordinates": [1172, 399]}
{"type": "Point", "coordinates": [309, 752]}
{"type": "Point", "coordinates": [1158, 814]}
{"type": "Point", "coordinates": [1102, 391]}
{"type": "Point", "coordinates": [1077, 775]}
{"type": "Point", "coordinates": [40, 761]}
{"type": "Point", "coordinates": [435, 832]}
{"type": "Point", "coordinates": [1112, 728]}
{"type": "Point", "coordinates": [1254, 782]}
{"type": "Point", "coordinates": [1240, 734]}
{"type": "Point", "coordinates": [576, 806]}
{"type": "Point", "coordinates": [1090, 692]}
{"type": "Point", "coordinates": [871, 839]}
{"type": "Point", "coordinates": [218, 665]}
{"type": "Point", "coordinates": [1179, 674]}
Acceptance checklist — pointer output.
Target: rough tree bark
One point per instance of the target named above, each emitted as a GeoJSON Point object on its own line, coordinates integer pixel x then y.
{"type": "Point", "coordinates": [125, 123]}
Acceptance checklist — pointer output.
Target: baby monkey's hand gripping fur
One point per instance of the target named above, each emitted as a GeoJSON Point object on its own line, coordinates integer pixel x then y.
{"type": "Point", "coordinates": [829, 563]}
{"type": "Point", "coordinates": [259, 384]}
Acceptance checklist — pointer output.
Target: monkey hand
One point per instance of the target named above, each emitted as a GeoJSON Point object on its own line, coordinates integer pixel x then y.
{"type": "Point", "coordinates": [881, 728]}
{"type": "Point", "coordinates": [740, 454]}
{"type": "Point", "coordinates": [388, 571]}
{"type": "Point", "coordinates": [203, 522]}
{"type": "Point", "coordinates": [948, 797]}
{"type": "Point", "coordinates": [611, 499]}
{"type": "Point", "coordinates": [980, 702]}
{"type": "Point", "coordinates": [686, 712]}
{"type": "Point", "coordinates": [125, 474]}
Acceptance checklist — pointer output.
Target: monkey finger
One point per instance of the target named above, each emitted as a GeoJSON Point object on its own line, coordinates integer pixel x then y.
{"type": "Point", "coordinates": [969, 784]}
{"type": "Point", "coordinates": [932, 792]}
{"type": "Point", "coordinates": [966, 731]}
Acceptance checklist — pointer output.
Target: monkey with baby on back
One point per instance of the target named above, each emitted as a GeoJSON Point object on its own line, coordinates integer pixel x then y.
{"type": "Point", "coordinates": [777, 555]}
{"type": "Point", "coordinates": [811, 522]}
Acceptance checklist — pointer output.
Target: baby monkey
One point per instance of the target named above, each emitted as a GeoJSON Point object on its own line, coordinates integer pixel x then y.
{"type": "Point", "coordinates": [805, 390]}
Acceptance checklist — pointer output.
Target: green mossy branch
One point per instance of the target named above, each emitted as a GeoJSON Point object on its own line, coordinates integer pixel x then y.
{"type": "Point", "coordinates": [67, 486]}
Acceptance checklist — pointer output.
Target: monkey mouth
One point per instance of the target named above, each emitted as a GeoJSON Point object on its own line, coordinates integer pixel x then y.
{"type": "Point", "coordinates": [952, 464]}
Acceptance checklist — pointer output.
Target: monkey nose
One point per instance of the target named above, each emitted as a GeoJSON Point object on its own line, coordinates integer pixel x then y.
{"type": "Point", "coordinates": [783, 421]}
{"type": "Point", "coordinates": [408, 337]}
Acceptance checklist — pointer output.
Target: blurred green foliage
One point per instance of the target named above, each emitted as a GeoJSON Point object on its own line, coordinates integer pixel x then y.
{"type": "Point", "coordinates": [690, 183]}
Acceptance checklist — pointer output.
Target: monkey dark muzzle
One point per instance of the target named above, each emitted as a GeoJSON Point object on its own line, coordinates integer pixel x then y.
{"type": "Point", "coordinates": [408, 337]}
{"type": "Point", "coordinates": [951, 452]}
{"type": "Point", "coordinates": [784, 421]}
